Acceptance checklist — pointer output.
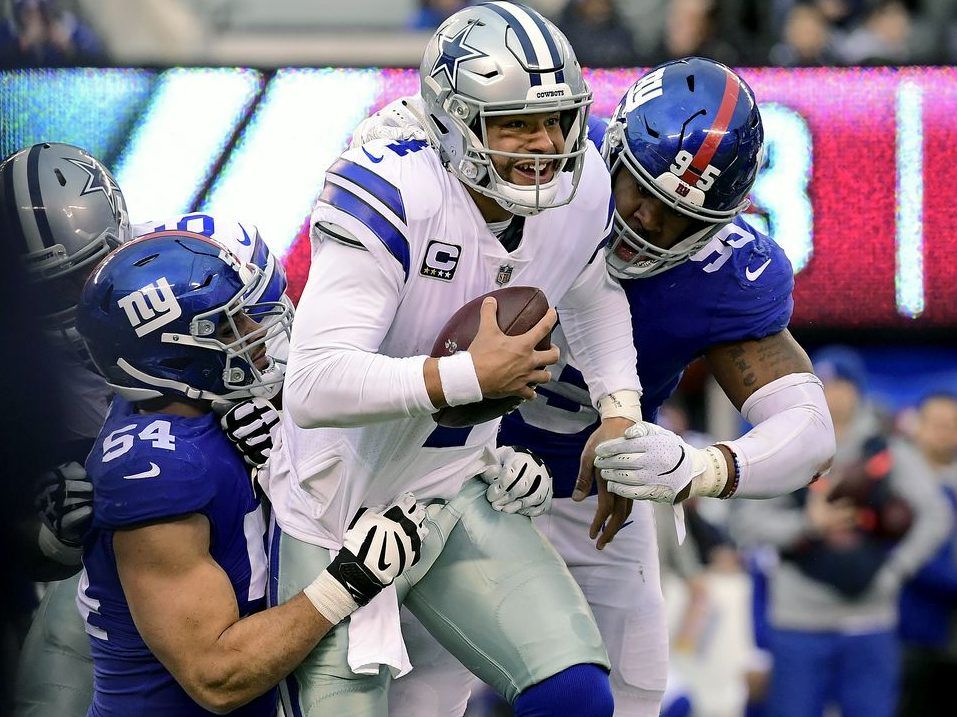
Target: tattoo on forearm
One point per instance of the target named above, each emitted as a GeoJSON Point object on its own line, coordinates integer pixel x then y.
{"type": "Point", "coordinates": [739, 357]}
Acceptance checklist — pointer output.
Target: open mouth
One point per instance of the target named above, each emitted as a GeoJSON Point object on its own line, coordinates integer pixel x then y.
{"type": "Point", "coordinates": [533, 172]}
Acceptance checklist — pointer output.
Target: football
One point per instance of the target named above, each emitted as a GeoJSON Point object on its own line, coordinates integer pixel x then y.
{"type": "Point", "coordinates": [519, 309]}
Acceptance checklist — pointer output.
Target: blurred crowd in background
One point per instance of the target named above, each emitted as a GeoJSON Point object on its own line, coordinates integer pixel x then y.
{"type": "Point", "coordinates": [605, 33]}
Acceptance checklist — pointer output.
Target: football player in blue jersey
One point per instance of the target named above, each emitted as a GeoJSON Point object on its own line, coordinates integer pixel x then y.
{"type": "Point", "coordinates": [63, 211]}
{"type": "Point", "coordinates": [683, 148]}
{"type": "Point", "coordinates": [174, 579]}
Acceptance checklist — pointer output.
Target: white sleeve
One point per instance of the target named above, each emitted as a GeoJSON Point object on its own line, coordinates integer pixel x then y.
{"type": "Point", "coordinates": [792, 440]}
{"type": "Point", "coordinates": [596, 320]}
{"type": "Point", "coordinates": [334, 376]}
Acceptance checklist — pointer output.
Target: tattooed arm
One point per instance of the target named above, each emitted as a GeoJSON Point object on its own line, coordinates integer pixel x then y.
{"type": "Point", "coordinates": [792, 441]}
{"type": "Point", "coordinates": [743, 367]}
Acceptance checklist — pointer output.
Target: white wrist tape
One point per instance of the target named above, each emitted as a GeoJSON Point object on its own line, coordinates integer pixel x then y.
{"type": "Point", "coordinates": [330, 598]}
{"type": "Point", "coordinates": [623, 404]}
{"type": "Point", "coordinates": [57, 550]}
{"type": "Point", "coordinates": [792, 440]}
{"type": "Point", "coordinates": [714, 472]}
{"type": "Point", "coordinates": [460, 383]}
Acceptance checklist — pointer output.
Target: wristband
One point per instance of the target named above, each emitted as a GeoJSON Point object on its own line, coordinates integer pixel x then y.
{"type": "Point", "coordinates": [460, 383]}
{"type": "Point", "coordinates": [713, 480]}
{"type": "Point", "coordinates": [330, 598]}
{"type": "Point", "coordinates": [623, 404]}
{"type": "Point", "coordinates": [731, 486]}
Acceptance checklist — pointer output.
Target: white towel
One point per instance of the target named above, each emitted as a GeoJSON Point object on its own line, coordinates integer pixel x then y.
{"type": "Point", "coordinates": [375, 637]}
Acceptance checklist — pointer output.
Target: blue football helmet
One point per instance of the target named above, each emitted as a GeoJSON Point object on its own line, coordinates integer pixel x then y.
{"type": "Point", "coordinates": [690, 133]}
{"type": "Point", "coordinates": [174, 313]}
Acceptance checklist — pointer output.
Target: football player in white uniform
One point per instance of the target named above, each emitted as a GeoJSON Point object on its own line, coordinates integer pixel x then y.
{"type": "Point", "coordinates": [404, 233]}
{"type": "Point", "coordinates": [674, 245]}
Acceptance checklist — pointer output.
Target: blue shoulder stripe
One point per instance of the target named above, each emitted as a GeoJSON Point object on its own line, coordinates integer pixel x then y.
{"type": "Point", "coordinates": [379, 187]}
{"type": "Point", "coordinates": [549, 40]}
{"type": "Point", "coordinates": [355, 206]}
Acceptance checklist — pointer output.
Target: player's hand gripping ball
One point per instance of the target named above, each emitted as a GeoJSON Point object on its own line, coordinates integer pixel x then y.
{"type": "Point", "coordinates": [519, 309]}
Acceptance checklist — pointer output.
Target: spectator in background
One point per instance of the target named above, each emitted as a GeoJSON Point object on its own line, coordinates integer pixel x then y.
{"type": "Point", "coordinates": [432, 13]}
{"type": "Point", "coordinates": [598, 33]}
{"type": "Point", "coordinates": [693, 27]}
{"type": "Point", "coordinates": [845, 547]}
{"type": "Point", "coordinates": [882, 38]}
{"type": "Point", "coordinates": [806, 38]}
{"type": "Point", "coordinates": [41, 33]}
{"type": "Point", "coordinates": [929, 601]}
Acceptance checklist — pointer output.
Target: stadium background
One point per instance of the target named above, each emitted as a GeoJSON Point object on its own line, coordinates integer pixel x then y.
{"type": "Point", "coordinates": [236, 107]}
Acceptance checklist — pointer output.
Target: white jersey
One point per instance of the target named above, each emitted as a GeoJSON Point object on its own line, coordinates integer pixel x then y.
{"type": "Point", "coordinates": [415, 249]}
{"type": "Point", "coordinates": [243, 240]}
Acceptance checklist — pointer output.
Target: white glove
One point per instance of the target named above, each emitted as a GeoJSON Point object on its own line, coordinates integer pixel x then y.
{"type": "Point", "coordinates": [378, 546]}
{"type": "Point", "coordinates": [65, 506]}
{"type": "Point", "coordinates": [652, 463]}
{"type": "Point", "coordinates": [521, 483]}
{"type": "Point", "coordinates": [394, 121]}
{"type": "Point", "coordinates": [248, 425]}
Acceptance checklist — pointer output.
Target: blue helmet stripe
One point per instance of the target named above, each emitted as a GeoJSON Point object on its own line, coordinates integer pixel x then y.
{"type": "Point", "coordinates": [531, 58]}
{"type": "Point", "coordinates": [377, 186]}
{"type": "Point", "coordinates": [549, 40]}
{"type": "Point", "coordinates": [357, 207]}
{"type": "Point", "coordinates": [36, 196]}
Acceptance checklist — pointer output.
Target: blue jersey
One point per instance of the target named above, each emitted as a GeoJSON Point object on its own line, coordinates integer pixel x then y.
{"type": "Point", "coordinates": [148, 468]}
{"type": "Point", "coordinates": [737, 288]}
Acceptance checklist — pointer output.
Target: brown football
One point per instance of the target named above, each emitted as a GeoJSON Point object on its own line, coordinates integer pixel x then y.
{"type": "Point", "coordinates": [519, 309]}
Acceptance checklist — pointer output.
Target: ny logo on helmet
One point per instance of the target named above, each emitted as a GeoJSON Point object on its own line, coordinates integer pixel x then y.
{"type": "Point", "coordinates": [151, 307]}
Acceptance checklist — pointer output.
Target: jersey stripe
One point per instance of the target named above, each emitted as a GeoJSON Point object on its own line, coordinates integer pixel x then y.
{"type": "Point", "coordinates": [379, 187]}
{"type": "Point", "coordinates": [702, 157]}
{"type": "Point", "coordinates": [355, 206]}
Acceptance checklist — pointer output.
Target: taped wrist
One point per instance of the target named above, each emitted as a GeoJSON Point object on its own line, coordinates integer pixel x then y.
{"type": "Point", "coordinates": [713, 476]}
{"type": "Point", "coordinates": [343, 587]}
{"type": "Point", "coordinates": [460, 384]}
{"type": "Point", "coordinates": [330, 598]}
{"type": "Point", "coordinates": [623, 404]}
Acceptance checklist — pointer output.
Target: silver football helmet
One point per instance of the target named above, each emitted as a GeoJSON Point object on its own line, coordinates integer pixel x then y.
{"type": "Point", "coordinates": [495, 59]}
{"type": "Point", "coordinates": [64, 212]}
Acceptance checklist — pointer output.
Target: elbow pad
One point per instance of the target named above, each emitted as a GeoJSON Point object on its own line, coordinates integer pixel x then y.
{"type": "Point", "coordinates": [792, 441]}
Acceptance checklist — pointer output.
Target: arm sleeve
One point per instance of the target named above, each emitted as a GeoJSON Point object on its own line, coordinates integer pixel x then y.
{"type": "Point", "coordinates": [932, 520]}
{"type": "Point", "coordinates": [792, 440]}
{"type": "Point", "coordinates": [335, 377]}
{"type": "Point", "coordinates": [596, 321]}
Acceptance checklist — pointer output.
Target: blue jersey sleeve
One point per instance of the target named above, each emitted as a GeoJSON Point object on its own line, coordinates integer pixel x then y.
{"type": "Point", "coordinates": [150, 481]}
{"type": "Point", "coordinates": [756, 301]}
{"type": "Point", "coordinates": [596, 131]}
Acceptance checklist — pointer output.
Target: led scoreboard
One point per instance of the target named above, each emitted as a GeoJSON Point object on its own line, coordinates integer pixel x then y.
{"type": "Point", "coordinates": [856, 187]}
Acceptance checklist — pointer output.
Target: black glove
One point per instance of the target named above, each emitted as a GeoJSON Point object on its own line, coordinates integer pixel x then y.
{"type": "Point", "coordinates": [248, 425]}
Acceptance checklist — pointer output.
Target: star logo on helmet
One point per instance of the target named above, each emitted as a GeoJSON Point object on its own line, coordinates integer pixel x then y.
{"type": "Point", "coordinates": [97, 180]}
{"type": "Point", "coordinates": [454, 52]}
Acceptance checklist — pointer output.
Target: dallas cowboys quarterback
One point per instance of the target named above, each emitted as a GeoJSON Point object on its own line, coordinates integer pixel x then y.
{"type": "Point", "coordinates": [683, 148]}
{"type": "Point", "coordinates": [403, 234]}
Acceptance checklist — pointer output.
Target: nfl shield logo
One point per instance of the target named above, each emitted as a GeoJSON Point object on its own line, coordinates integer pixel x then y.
{"type": "Point", "coordinates": [504, 274]}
